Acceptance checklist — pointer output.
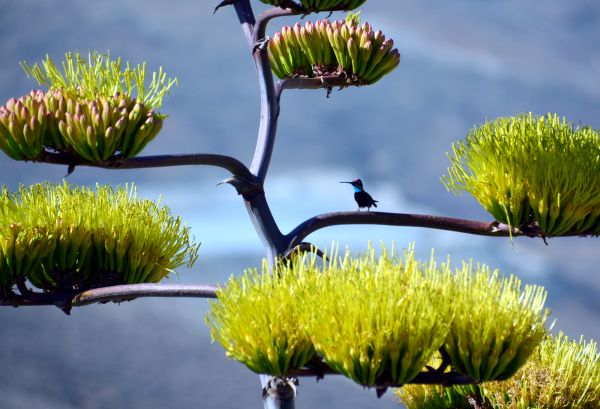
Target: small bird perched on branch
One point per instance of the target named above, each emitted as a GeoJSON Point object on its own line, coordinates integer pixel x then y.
{"type": "Point", "coordinates": [362, 198]}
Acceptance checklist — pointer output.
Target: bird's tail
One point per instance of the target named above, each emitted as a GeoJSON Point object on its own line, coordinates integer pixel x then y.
{"type": "Point", "coordinates": [375, 203]}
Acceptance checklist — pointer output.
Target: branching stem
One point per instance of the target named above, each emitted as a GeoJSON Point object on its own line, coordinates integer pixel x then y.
{"type": "Point", "coordinates": [229, 163]}
{"type": "Point", "coordinates": [327, 82]}
{"type": "Point", "coordinates": [319, 369]}
{"type": "Point", "coordinates": [120, 293]}
{"type": "Point", "coordinates": [297, 235]}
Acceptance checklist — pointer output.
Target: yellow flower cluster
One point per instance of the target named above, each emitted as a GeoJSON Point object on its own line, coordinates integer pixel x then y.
{"type": "Point", "coordinates": [560, 374]}
{"type": "Point", "coordinates": [77, 238]}
{"type": "Point", "coordinates": [529, 168]}
{"type": "Point", "coordinates": [378, 319]}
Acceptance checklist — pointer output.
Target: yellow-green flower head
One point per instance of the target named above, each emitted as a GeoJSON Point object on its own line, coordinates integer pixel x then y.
{"type": "Point", "coordinates": [560, 373]}
{"type": "Point", "coordinates": [69, 238]}
{"type": "Point", "coordinates": [437, 396]}
{"type": "Point", "coordinates": [97, 129]}
{"type": "Point", "coordinates": [532, 169]}
{"type": "Point", "coordinates": [90, 110]}
{"type": "Point", "coordinates": [22, 126]}
{"type": "Point", "coordinates": [377, 319]}
{"type": "Point", "coordinates": [257, 320]}
{"type": "Point", "coordinates": [341, 48]}
{"type": "Point", "coordinates": [496, 326]}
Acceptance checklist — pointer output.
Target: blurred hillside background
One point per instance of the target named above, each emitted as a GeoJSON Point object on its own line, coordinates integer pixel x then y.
{"type": "Point", "coordinates": [463, 61]}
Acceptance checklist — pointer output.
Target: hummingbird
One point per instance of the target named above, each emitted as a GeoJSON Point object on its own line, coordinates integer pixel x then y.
{"type": "Point", "coordinates": [362, 198]}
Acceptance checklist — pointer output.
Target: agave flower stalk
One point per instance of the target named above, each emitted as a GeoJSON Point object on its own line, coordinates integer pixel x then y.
{"type": "Point", "coordinates": [67, 238]}
{"type": "Point", "coordinates": [532, 169]}
{"type": "Point", "coordinates": [341, 48]}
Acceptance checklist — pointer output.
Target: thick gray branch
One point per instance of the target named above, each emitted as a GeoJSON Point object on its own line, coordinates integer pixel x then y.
{"type": "Point", "coordinates": [268, 15]}
{"type": "Point", "coordinates": [326, 82]}
{"type": "Point", "coordinates": [423, 378]}
{"type": "Point", "coordinates": [231, 164]}
{"type": "Point", "coordinates": [311, 225]}
{"type": "Point", "coordinates": [255, 201]}
{"type": "Point", "coordinates": [245, 15]}
{"type": "Point", "coordinates": [120, 293]}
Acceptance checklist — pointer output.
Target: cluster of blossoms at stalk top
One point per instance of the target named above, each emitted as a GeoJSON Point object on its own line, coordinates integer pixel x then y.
{"type": "Point", "coordinates": [379, 318]}
{"type": "Point", "coordinates": [531, 169]}
{"type": "Point", "coordinates": [61, 237]}
{"type": "Point", "coordinates": [94, 129]}
{"type": "Point", "coordinates": [89, 111]}
{"type": "Point", "coordinates": [338, 48]}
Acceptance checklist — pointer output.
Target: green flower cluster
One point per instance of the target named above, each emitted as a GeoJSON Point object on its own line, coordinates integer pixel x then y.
{"type": "Point", "coordinates": [320, 5]}
{"type": "Point", "coordinates": [529, 168]}
{"type": "Point", "coordinates": [96, 130]}
{"type": "Point", "coordinates": [258, 321]}
{"type": "Point", "coordinates": [486, 348]}
{"type": "Point", "coordinates": [438, 397]}
{"type": "Point", "coordinates": [64, 237]}
{"type": "Point", "coordinates": [560, 374]}
{"type": "Point", "coordinates": [89, 111]}
{"type": "Point", "coordinates": [378, 319]}
{"type": "Point", "coordinates": [23, 126]}
{"type": "Point", "coordinates": [333, 48]}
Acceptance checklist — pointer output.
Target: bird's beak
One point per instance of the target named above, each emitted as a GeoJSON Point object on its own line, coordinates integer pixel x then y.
{"type": "Point", "coordinates": [346, 182]}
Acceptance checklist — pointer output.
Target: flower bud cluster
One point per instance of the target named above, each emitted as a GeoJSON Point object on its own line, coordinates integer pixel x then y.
{"type": "Point", "coordinates": [99, 129]}
{"type": "Point", "coordinates": [342, 48]}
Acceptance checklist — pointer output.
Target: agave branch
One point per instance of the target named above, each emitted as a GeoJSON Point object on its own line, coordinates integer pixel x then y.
{"type": "Point", "coordinates": [255, 31]}
{"type": "Point", "coordinates": [268, 15]}
{"type": "Point", "coordinates": [229, 163]}
{"type": "Point", "coordinates": [327, 82]}
{"type": "Point", "coordinates": [269, 106]}
{"type": "Point", "coordinates": [496, 229]}
{"type": "Point", "coordinates": [256, 203]}
{"type": "Point", "coordinates": [60, 300]}
{"type": "Point", "coordinates": [120, 293]}
{"type": "Point", "coordinates": [321, 369]}
{"type": "Point", "coordinates": [245, 15]}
